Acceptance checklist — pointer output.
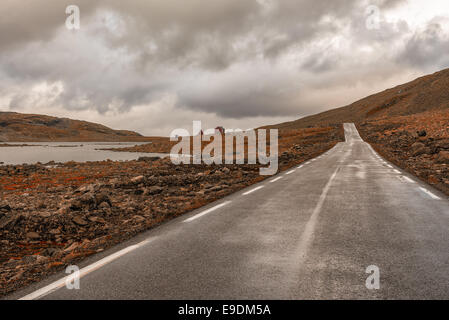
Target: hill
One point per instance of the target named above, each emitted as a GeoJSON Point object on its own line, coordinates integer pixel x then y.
{"type": "Point", "coordinates": [428, 93]}
{"type": "Point", "coordinates": [20, 127]}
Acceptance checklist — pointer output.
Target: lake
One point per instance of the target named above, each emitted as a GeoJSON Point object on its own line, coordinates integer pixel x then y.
{"type": "Point", "coordinates": [68, 151]}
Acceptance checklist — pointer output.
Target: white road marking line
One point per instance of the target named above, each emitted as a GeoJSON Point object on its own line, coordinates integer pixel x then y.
{"type": "Point", "coordinates": [300, 166]}
{"type": "Point", "coordinates": [307, 162]}
{"type": "Point", "coordinates": [291, 171]}
{"type": "Point", "coordinates": [397, 171]}
{"type": "Point", "coordinates": [307, 235]}
{"type": "Point", "coordinates": [84, 271]}
{"type": "Point", "coordinates": [274, 180]}
{"type": "Point", "coordinates": [199, 215]}
{"type": "Point", "coordinates": [389, 166]}
{"type": "Point", "coordinates": [429, 193]}
{"type": "Point", "coordinates": [408, 179]}
{"type": "Point", "coordinates": [253, 190]}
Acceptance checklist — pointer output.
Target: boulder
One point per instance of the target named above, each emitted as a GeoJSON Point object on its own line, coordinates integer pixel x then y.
{"type": "Point", "coordinates": [148, 159]}
{"type": "Point", "coordinates": [33, 236]}
{"type": "Point", "coordinates": [225, 170]}
{"type": "Point", "coordinates": [153, 190]}
{"type": "Point", "coordinates": [49, 252]}
{"type": "Point", "coordinates": [101, 198]}
{"type": "Point", "coordinates": [85, 188]}
{"type": "Point", "coordinates": [421, 133]}
{"type": "Point", "coordinates": [5, 207]}
{"type": "Point", "coordinates": [64, 210]}
{"type": "Point", "coordinates": [137, 180]}
{"type": "Point", "coordinates": [104, 206]}
{"type": "Point", "coordinates": [443, 157]}
{"type": "Point", "coordinates": [79, 221]}
{"type": "Point", "coordinates": [215, 188]}
{"type": "Point", "coordinates": [71, 247]}
{"type": "Point", "coordinates": [418, 148]}
{"type": "Point", "coordinates": [8, 222]}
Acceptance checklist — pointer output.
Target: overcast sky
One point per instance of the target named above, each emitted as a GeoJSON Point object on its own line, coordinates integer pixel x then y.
{"type": "Point", "coordinates": [156, 65]}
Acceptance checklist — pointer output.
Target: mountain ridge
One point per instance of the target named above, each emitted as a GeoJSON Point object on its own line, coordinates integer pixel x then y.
{"type": "Point", "coordinates": [22, 127]}
{"type": "Point", "coordinates": [426, 93]}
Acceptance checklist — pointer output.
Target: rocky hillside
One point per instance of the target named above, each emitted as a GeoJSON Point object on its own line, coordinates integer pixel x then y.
{"type": "Point", "coordinates": [32, 127]}
{"type": "Point", "coordinates": [418, 143]}
{"type": "Point", "coordinates": [428, 93]}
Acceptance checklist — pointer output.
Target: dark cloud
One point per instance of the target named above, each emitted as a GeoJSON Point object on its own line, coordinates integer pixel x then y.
{"type": "Point", "coordinates": [228, 59]}
{"type": "Point", "coordinates": [428, 48]}
{"type": "Point", "coordinates": [36, 20]}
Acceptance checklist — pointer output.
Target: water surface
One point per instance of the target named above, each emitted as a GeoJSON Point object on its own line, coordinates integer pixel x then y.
{"type": "Point", "coordinates": [68, 151]}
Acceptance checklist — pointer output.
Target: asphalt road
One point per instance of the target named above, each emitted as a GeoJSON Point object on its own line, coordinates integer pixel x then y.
{"type": "Point", "coordinates": [308, 233]}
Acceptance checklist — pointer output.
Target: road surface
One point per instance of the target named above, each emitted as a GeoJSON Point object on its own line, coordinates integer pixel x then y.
{"type": "Point", "coordinates": [307, 233]}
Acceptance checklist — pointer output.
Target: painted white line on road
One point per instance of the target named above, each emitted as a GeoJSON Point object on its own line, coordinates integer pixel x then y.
{"type": "Point", "coordinates": [291, 171]}
{"type": "Point", "coordinates": [84, 271]}
{"type": "Point", "coordinates": [429, 193]}
{"type": "Point", "coordinates": [199, 215]}
{"type": "Point", "coordinates": [397, 171]}
{"type": "Point", "coordinates": [274, 180]}
{"type": "Point", "coordinates": [300, 166]}
{"type": "Point", "coordinates": [253, 190]}
{"type": "Point", "coordinates": [408, 179]}
{"type": "Point", "coordinates": [307, 235]}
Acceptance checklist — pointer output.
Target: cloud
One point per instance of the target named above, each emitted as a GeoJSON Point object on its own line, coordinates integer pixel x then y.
{"type": "Point", "coordinates": [429, 47]}
{"type": "Point", "coordinates": [228, 61]}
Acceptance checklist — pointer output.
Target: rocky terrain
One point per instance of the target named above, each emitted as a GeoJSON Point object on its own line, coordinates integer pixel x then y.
{"type": "Point", "coordinates": [17, 127]}
{"type": "Point", "coordinates": [417, 143]}
{"type": "Point", "coordinates": [54, 215]}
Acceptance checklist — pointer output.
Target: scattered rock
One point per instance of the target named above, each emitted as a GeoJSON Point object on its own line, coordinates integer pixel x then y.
{"type": "Point", "coordinates": [33, 236]}
{"type": "Point", "coordinates": [418, 148]}
{"type": "Point", "coordinates": [443, 157]}
{"type": "Point", "coordinates": [71, 247]}
{"type": "Point", "coordinates": [104, 206]}
{"type": "Point", "coordinates": [29, 259]}
{"type": "Point", "coordinates": [64, 210]}
{"type": "Point", "coordinates": [103, 198]}
{"type": "Point", "coordinates": [138, 218]}
{"type": "Point", "coordinates": [153, 190]}
{"type": "Point", "coordinates": [225, 170]}
{"type": "Point", "coordinates": [148, 159]}
{"type": "Point", "coordinates": [79, 221]}
{"type": "Point", "coordinates": [422, 133]}
{"type": "Point", "coordinates": [137, 180]}
{"type": "Point", "coordinates": [5, 207]}
{"type": "Point", "coordinates": [55, 231]}
{"type": "Point", "coordinates": [50, 252]}
{"type": "Point", "coordinates": [215, 188]}
{"type": "Point", "coordinates": [41, 259]}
